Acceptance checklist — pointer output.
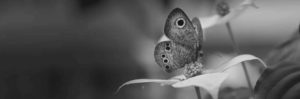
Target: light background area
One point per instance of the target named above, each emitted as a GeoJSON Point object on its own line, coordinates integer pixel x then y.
{"type": "Point", "coordinates": [85, 49]}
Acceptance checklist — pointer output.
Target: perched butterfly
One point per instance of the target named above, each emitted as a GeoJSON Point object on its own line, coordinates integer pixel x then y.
{"type": "Point", "coordinates": [186, 42]}
{"type": "Point", "coordinates": [180, 29]}
{"type": "Point", "coordinates": [171, 56]}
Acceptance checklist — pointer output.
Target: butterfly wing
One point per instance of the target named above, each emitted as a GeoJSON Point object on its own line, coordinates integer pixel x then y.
{"type": "Point", "coordinates": [171, 56]}
{"type": "Point", "coordinates": [180, 29]}
{"type": "Point", "coordinates": [198, 28]}
{"type": "Point", "coordinates": [199, 31]}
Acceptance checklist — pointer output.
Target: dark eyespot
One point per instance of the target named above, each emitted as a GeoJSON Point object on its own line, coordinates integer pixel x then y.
{"type": "Point", "coordinates": [168, 48]}
{"type": "Point", "coordinates": [180, 23]}
{"type": "Point", "coordinates": [163, 56]}
{"type": "Point", "coordinates": [165, 60]}
{"type": "Point", "coordinates": [167, 44]}
{"type": "Point", "coordinates": [167, 67]}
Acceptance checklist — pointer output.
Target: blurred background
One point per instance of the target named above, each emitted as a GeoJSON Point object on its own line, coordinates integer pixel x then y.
{"type": "Point", "coordinates": [85, 49]}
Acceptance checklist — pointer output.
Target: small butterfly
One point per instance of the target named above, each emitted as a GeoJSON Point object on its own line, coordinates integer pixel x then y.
{"type": "Point", "coordinates": [186, 42]}
{"type": "Point", "coordinates": [171, 56]}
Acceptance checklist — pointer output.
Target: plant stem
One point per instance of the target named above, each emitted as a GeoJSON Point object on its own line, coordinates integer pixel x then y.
{"type": "Point", "coordinates": [237, 50]}
{"type": "Point", "coordinates": [234, 43]}
{"type": "Point", "coordinates": [198, 92]}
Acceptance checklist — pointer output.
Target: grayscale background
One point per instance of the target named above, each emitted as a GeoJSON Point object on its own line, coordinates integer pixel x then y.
{"type": "Point", "coordinates": [85, 49]}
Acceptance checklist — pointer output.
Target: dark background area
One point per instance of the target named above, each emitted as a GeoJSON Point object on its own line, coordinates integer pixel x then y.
{"type": "Point", "coordinates": [85, 49]}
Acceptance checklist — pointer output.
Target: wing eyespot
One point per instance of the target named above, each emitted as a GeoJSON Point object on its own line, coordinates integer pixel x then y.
{"type": "Point", "coordinates": [180, 23]}
{"type": "Point", "coordinates": [166, 60]}
{"type": "Point", "coordinates": [167, 67]}
{"type": "Point", "coordinates": [168, 48]}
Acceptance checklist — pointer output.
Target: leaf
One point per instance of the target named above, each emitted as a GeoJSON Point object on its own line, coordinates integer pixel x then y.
{"type": "Point", "coordinates": [179, 77]}
{"type": "Point", "coordinates": [160, 81]}
{"type": "Point", "coordinates": [211, 21]}
{"type": "Point", "coordinates": [234, 61]}
{"type": "Point", "coordinates": [211, 82]}
{"type": "Point", "coordinates": [241, 58]}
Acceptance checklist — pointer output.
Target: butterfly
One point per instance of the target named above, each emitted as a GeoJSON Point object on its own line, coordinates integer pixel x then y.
{"type": "Point", "coordinates": [185, 45]}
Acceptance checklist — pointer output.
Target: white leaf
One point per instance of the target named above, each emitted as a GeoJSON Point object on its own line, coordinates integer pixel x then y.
{"type": "Point", "coordinates": [160, 81]}
{"type": "Point", "coordinates": [241, 58]}
{"type": "Point", "coordinates": [234, 61]}
{"type": "Point", "coordinates": [179, 77]}
{"type": "Point", "coordinates": [211, 82]}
